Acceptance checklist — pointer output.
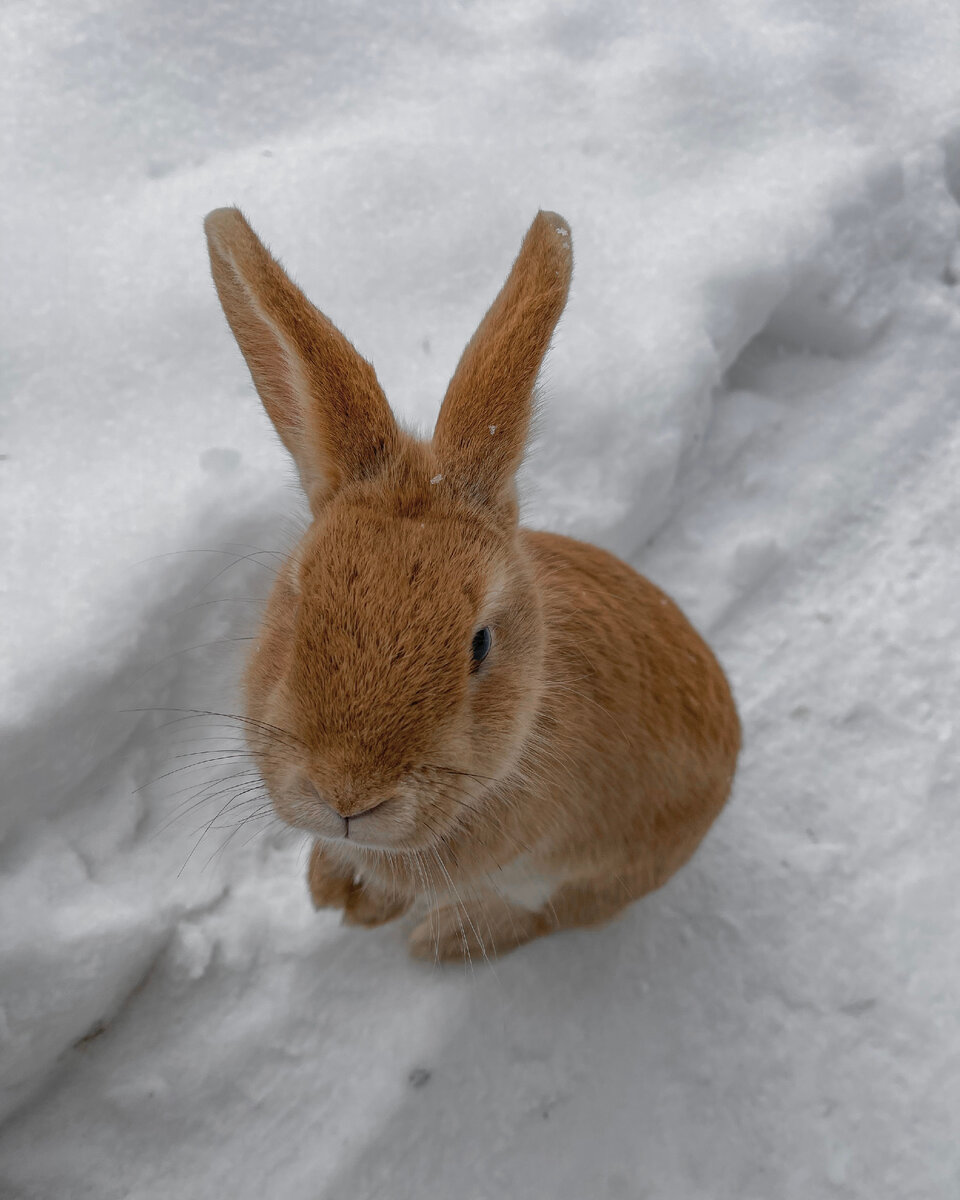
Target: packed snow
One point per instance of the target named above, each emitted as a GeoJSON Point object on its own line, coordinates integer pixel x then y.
{"type": "Point", "coordinates": [753, 397]}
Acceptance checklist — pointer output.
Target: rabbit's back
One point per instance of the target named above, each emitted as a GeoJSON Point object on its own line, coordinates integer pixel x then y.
{"type": "Point", "coordinates": [639, 709]}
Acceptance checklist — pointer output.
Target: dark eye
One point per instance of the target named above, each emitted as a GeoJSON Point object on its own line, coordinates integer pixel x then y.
{"type": "Point", "coordinates": [482, 641]}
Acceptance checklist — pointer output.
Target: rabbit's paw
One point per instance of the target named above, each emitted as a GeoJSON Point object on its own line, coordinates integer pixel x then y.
{"type": "Point", "coordinates": [366, 906]}
{"type": "Point", "coordinates": [444, 936]}
{"type": "Point", "coordinates": [330, 886]}
{"type": "Point", "coordinates": [457, 933]}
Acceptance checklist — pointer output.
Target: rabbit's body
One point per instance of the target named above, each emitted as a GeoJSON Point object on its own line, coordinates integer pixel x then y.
{"type": "Point", "coordinates": [628, 761]}
{"type": "Point", "coordinates": [514, 727]}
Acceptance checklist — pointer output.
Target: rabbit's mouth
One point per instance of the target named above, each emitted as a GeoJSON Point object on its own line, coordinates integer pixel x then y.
{"type": "Point", "coordinates": [356, 828]}
{"type": "Point", "coordinates": [379, 822]}
{"type": "Point", "coordinates": [357, 818]}
{"type": "Point", "coordinates": [359, 826]}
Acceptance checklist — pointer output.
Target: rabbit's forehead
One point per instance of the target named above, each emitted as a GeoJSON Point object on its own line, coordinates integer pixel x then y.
{"type": "Point", "coordinates": [358, 553]}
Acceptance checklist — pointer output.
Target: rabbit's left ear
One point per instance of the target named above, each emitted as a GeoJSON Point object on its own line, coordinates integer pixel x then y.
{"type": "Point", "coordinates": [322, 397]}
{"type": "Point", "coordinates": [482, 428]}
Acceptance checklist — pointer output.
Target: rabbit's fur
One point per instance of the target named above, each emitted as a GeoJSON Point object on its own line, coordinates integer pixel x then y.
{"type": "Point", "coordinates": [572, 770]}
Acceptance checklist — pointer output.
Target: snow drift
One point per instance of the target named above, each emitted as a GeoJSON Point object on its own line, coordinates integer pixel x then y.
{"type": "Point", "coordinates": [752, 396]}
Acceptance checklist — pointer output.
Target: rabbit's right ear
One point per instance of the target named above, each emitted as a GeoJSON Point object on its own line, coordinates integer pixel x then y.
{"type": "Point", "coordinates": [322, 397]}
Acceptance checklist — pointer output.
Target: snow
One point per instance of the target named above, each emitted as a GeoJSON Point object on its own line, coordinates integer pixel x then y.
{"type": "Point", "coordinates": [752, 397]}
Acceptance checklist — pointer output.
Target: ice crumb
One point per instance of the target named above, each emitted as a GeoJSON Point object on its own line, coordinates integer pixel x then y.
{"type": "Point", "coordinates": [493, 430]}
{"type": "Point", "coordinates": [436, 479]}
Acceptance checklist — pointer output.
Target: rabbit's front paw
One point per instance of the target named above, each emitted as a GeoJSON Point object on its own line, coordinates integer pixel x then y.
{"type": "Point", "coordinates": [365, 906]}
{"type": "Point", "coordinates": [329, 886]}
{"type": "Point", "coordinates": [442, 936]}
{"type": "Point", "coordinates": [458, 932]}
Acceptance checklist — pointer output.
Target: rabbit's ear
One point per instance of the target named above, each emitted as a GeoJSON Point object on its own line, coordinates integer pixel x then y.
{"type": "Point", "coordinates": [322, 397]}
{"type": "Point", "coordinates": [482, 428]}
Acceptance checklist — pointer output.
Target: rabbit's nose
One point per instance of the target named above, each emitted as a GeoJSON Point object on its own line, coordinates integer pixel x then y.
{"type": "Point", "coordinates": [363, 809]}
{"type": "Point", "coordinates": [348, 804]}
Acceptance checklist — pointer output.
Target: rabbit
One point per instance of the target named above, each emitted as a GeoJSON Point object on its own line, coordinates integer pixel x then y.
{"type": "Point", "coordinates": [512, 731]}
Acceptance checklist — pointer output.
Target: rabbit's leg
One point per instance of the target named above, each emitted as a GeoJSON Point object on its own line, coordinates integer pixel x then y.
{"type": "Point", "coordinates": [332, 885]}
{"type": "Point", "coordinates": [368, 905]}
{"type": "Point", "coordinates": [496, 926]}
{"type": "Point", "coordinates": [329, 881]}
{"type": "Point", "coordinates": [596, 901]}
{"type": "Point", "coordinates": [472, 930]}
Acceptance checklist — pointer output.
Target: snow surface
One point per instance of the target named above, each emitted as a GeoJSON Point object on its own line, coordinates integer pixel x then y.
{"type": "Point", "coordinates": [753, 396]}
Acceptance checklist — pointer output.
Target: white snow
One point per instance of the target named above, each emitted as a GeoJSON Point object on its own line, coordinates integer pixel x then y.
{"type": "Point", "coordinates": [753, 396]}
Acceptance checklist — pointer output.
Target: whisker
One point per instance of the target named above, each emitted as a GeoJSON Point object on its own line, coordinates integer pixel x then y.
{"type": "Point", "coordinates": [244, 780]}
{"type": "Point", "coordinates": [237, 558]}
{"type": "Point", "coordinates": [244, 720]}
{"type": "Point", "coordinates": [223, 600]}
{"type": "Point", "coordinates": [453, 771]}
{"type": "Point", "coordinates": [252, 791]}
{"type": "Point", "coordinates": [186, 650]}
{"type": "Point", "coordinates": [252, 557]}
{"type": "Point", "coordinates": [196, 798]}
{"type": "Point", "coordinates": [236, 829]}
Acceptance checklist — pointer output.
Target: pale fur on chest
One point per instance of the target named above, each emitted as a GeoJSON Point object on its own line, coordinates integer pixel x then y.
{"type": "Point", "coordinates": [519, 883]}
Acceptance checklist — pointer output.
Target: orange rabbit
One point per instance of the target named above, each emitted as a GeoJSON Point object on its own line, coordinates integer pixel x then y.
{"type": "Point", "coordinates": [514, 729]}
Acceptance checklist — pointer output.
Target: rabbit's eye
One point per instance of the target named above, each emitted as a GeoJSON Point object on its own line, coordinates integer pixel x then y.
{"type": "Point", "coordinates": [482, 641]}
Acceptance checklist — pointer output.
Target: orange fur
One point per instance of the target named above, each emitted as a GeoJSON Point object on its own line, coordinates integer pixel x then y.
{"type": "Point", "coordinates": [592, 749]}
